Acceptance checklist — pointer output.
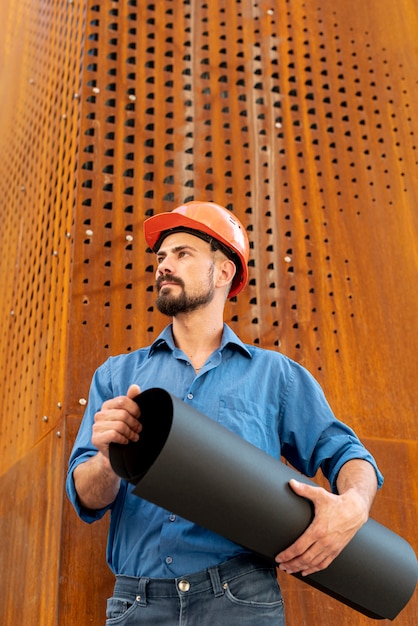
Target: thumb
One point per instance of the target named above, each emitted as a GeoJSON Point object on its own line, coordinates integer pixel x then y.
{"type": "Point", "coordinates": [311, 492]}
{"type": "Point", "coordinates": [133, 391]}
{"type": "Point", "coordinates": [302, 489]}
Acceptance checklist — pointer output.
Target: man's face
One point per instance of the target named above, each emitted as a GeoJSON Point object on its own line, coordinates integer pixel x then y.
{"type": "Point", "coordinates": [185, 274]}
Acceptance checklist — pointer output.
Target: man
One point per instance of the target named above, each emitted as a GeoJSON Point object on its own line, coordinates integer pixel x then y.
{"type": "Point", "coordinates": [170, 571]}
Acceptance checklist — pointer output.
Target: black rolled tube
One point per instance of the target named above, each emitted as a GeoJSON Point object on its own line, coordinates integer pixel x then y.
{"type": "Point", "coordinates": [187, 463]}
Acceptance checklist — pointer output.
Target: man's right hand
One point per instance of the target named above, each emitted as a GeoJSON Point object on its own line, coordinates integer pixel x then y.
{"type": "Point", "coordinates": [96, 483]}
{"type": "Point", "coordinates": [117, 421]}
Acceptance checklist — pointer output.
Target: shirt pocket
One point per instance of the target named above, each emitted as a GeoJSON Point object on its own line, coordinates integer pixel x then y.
{"type": "Point", "coordinates": [251, 421]}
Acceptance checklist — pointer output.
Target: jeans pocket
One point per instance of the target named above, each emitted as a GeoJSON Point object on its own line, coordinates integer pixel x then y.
{"type": "Point", "coordinates": [117, 610]}
{"type": "Point", "coordinates": [257, 589]}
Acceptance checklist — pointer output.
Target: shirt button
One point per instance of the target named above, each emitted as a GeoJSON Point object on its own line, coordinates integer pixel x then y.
{"type": "Point", "coordinates": [190, 396]}
{"type": "Point", "coordinates": [172, 518]}
{"type": "Point", "coordinates": [169, 560]}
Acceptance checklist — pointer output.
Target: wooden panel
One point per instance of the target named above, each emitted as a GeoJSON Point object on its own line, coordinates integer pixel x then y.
{"type": "Point", "coordinates": [40, 47]}
{"type": "Point", "coordinates": [40, 74]}
{"type": "Point", "coordinates": [31, 493]}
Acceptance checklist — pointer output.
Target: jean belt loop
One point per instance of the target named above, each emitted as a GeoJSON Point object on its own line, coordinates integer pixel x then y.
{"type": "Point", "coordinates": [142, 591]}
{"type": "Point", "coordinates": [216, 581]}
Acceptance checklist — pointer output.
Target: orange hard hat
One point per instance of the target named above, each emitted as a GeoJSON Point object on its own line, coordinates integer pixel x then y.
{"type": "Point", "coordinates": [209, 221]}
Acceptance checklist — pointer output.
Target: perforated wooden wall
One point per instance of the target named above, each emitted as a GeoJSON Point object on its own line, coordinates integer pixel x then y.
{"type": "Point", "coordinates": [300, 117]}
{"type": "Point", "coordinates": [40, 72]}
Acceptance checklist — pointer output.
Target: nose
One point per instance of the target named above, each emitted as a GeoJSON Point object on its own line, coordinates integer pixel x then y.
{"type": "Point", "coordinates": [164, 267]}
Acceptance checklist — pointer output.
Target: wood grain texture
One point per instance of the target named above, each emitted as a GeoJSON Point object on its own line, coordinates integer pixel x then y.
{"type": "Point", "coordinates": [30, 524]}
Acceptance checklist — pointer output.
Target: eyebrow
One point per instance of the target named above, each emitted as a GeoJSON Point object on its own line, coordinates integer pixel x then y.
{"type": "Point", "coordinates": [176, 249]}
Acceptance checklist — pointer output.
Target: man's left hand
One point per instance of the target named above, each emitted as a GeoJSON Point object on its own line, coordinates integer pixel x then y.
{"type": "Point", "coordinates": [337, 519]}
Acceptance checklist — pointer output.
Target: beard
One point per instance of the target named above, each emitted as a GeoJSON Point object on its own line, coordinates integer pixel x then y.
{"type": "Point", "coordinates": [171, 305]}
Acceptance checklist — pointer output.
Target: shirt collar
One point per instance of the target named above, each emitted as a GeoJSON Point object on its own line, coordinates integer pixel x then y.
{"type": "Point", "coordinates": [164, 340]}
{"type": "Point", "coordinates": [229, 339]}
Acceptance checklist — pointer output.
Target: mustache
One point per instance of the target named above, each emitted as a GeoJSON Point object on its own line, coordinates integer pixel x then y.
{"type": "Point", "coordinates": [172, 279]}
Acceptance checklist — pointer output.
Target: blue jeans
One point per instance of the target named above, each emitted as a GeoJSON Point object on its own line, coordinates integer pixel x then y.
{"type": "Point", "coordinates": [240, 592]}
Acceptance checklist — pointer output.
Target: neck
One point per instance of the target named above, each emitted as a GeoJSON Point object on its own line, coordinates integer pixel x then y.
{"type": "Point", "coordinates": [197, 335]}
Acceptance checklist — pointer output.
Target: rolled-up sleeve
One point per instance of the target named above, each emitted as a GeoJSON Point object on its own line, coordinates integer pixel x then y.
{"type": "Point", "coordinates": [312, 437]}
{"type": "Point", "coordinates": [83, 449]}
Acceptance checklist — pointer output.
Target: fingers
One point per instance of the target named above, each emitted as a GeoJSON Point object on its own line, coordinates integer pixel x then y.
{"type": "Point", "coordinates": [122, 403]}
{"type": "Point", "coordinates": [335, 522]}
{"type": "Point", "coordinates": [116, 431]}
{"type": "Point", "coordinates": [309, 557]}
{"type": "Point", "coordinates": [117, 421]}
{"type": "Point", "coordinates": [298, 556]}
{"type": "Point", "coordinates": [313, 550]}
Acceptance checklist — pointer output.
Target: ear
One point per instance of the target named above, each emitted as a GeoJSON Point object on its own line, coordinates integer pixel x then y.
{"type": "Point", "coordinates": [226, 272]}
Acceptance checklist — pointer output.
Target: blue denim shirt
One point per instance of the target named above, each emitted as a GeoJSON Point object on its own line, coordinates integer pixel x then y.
{"type": "Point", "coordinates": [263, 396]}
